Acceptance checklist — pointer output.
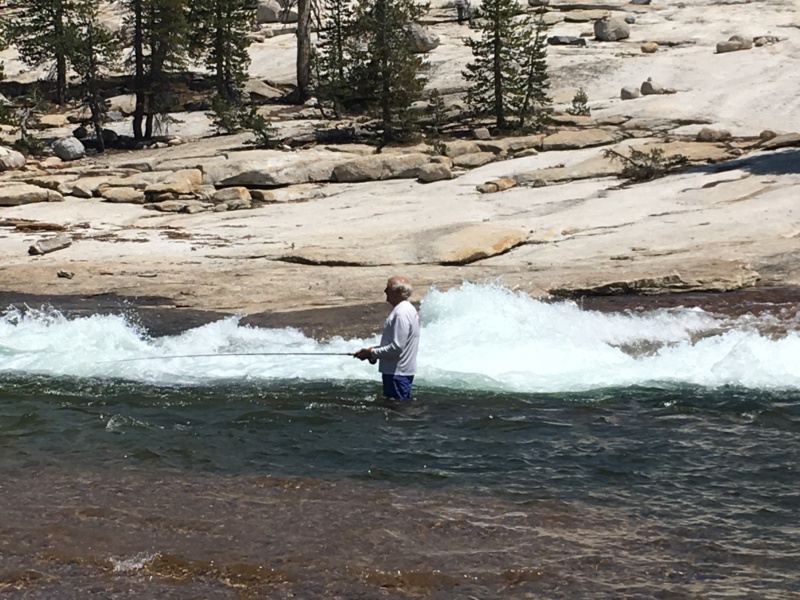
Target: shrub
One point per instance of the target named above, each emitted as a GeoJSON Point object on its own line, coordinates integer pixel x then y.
{"type": "Point", "coordinates": [644, 166]}
{"type": "Point", "coordinates": [580, 104]}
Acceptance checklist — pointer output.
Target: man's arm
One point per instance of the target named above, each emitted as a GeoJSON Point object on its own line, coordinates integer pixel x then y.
{"type": "Point", "coordinates": [400, 334]}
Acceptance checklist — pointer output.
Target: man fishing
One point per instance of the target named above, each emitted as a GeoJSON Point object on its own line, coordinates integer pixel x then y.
{"type": "Point", "coordinates": [397, 353]}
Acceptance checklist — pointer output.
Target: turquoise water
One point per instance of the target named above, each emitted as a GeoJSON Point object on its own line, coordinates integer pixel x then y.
{"type": "Point", "coordinates": [551, 452]}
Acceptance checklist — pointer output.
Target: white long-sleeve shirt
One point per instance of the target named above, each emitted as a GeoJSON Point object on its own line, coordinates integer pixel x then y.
{"type": "Point", "coordinates": [397, 354]}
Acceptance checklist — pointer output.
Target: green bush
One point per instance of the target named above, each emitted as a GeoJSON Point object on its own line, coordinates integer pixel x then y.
{"type": "Point", "coordinates": [580, 104]}
{"type": "Point", "coordinates": [644, 166]}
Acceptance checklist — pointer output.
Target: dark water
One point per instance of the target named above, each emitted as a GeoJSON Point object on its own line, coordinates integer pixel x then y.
{"type": "Point", "coordinates": [314, 490]}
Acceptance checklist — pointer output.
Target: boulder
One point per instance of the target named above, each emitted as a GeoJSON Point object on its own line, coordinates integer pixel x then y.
{"type": "Point", "coordinates": [611, 29]}
{"type": "Point", "coordinates": [122, 195]}
{"type": "Point", "coordinates": [707, 134]}
{"type": "Point", "coordinates": [474, 159]}
{"type": "Point", "coordinates": [271, 11]}
{"type": "Point", "coordinates": [16, 194]}
{"type": "Point", "coordinates": [421, 39]}
{"type": "Point", "coordinates": [629, 93]}
{"type": "Point", "coordinates": [434, 171]}
{"type": "Point", "coordinates": [651, 88]}
{"type": "Point", "coordinates": [497, 185]}
{"type": "Point", "coordinates": [231, 196]}
{"type": "Point", "coordinates": [459, 147]}
{"type": "Point", "coordinates": [69, 148]}
{"type": "Point", "coordinates": [10, 159]}
{"type": "Point", "coordinates": [377, 167]}
{"type": "Point", "coordinates": [52, 244]}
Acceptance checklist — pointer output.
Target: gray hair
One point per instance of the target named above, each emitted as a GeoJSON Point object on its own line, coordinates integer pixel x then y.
{"type": "Point", "coordinates": [401, 285]}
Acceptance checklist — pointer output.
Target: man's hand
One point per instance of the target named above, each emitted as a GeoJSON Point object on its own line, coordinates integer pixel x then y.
{"type": "Point", "coordinates": [365, 354]}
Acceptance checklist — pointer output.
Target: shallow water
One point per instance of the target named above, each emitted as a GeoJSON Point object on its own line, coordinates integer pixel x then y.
{"type": "Point", "coordinates": [606, 456]}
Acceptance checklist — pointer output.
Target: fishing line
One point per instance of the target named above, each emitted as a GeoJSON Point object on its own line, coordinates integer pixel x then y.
{"type": "Point", "coordinates": [231, 354]}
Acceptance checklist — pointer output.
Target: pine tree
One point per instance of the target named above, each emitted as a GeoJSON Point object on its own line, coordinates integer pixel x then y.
{"type": "Point", "coordinates": [495, 65]}
{"type": "Point", "coordinates": [45, 32]}
{"type": "Point", "coordinates": [386, 70]}
{"type": "Point", "coordinates": [508, 77]}
{"type": "Point", "coordinates": [531, 101]}
{"type": "Point", "coordinates": [159, 43]}
{"type": "Point", "coordinates": [96, 55]}
{"type": "Point", "coordinates": [219, 36]}
{"type": "Point", "coordinates": [332, 58]}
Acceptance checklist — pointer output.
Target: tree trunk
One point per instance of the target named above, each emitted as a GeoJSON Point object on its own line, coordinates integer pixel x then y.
{"type": "Point", "coordinates": [138, 76]}
{"type": "Point", "coordinates": [303, 49]}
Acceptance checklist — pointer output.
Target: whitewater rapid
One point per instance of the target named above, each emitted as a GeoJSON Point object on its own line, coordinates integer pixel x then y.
{"type": "Point", "coordinates": [477, 337]}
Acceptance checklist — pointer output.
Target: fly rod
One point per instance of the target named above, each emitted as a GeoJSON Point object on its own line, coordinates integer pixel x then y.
{"type": "Point", "coordinates": [234, 354]}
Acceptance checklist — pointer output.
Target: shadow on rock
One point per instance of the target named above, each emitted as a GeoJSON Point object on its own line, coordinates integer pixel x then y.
{"type": "Point", "coordinates": [785, 162]}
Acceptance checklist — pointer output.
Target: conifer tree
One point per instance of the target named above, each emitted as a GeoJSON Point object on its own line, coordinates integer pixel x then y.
{"type": "Point", "coordinates": [45, 33]}
{"type": "Point", "coordinates": [386, 70]}
{"type": "Point", "coordinates": [331, 60]}
{"type": "Point", "coordinates": [508, 77]}
{"type": "Point", "coordinates": [530, 99]}
{"type": "Point", "coordinates": [95, 56]}
{"type": "Point", "coordinates": [159, 43]}
{"type": "Point", "coordinates": [219, 36]}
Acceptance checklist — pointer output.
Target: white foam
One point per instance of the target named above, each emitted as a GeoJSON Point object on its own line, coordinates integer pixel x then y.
{"type": "Point", "coordinates": [473, 337]}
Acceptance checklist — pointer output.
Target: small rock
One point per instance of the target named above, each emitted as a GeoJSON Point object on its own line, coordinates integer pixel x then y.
{"type": "Point", "coordinates": [649, 47]}
{"type": "Point", "coordinates": [766, 135]}
{"type": "Point", "coordinates": [630, 19]}
{"type": "Point", "coordinates": [65, 274]}
{"type": "Point", "coordinates": [481, 133]}
{"type": "Point", "coordinates": [486, 188]}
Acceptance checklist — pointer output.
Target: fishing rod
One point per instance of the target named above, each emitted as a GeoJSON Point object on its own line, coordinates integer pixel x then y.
{"type": "Point", "coordinates": [234, 354]}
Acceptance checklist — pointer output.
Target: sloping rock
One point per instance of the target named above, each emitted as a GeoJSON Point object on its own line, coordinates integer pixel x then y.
{"type": "Point", "coordinates": [469, 243]}
{"type": "Point", "coordinates": [573, 140]}
{"type": "Point", "coordinates": [49, 245]}
{"type": "Point", "coordinates": [714, 276]}
{"type": "Point", "coordinates": [597, 166]}
{"type": "Point", "coordinates": [781, 141]}
{"type": "Point", "coordinates": [256, 89]}
{"type": "Point", "coordinates": [16, 194]}
{"type": "Point", "coordinates": [263, 174]}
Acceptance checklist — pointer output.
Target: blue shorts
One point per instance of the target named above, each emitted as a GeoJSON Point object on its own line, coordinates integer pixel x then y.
{"type": "Point", "coordinates": [397, 387]}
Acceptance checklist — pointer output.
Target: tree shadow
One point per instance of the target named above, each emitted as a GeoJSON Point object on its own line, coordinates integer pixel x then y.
{"type": "Point", "coordinates": [777, 162]}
